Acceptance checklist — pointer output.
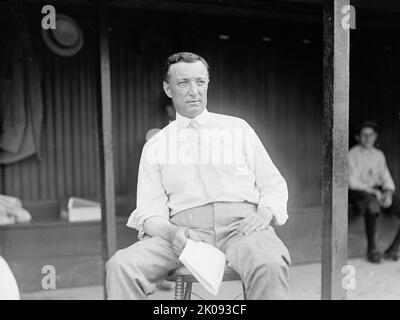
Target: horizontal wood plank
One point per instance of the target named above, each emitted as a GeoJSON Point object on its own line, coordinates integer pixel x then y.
{"type": "Point", "coordinates": [68, 239]}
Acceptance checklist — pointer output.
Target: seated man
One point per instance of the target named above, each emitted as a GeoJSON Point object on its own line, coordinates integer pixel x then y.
{"type": "Point", "coordinates": [372, 188]}
{"type": "Point", "coordinates": [231, 202]}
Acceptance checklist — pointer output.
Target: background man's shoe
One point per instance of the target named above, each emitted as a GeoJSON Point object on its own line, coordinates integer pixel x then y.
{"type": "Point", "coordinates": [392, 255]}
{"type": "Point", "coordinates": [374, 256]}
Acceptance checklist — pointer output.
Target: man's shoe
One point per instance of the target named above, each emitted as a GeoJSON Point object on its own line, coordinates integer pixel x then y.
{"type": "Point", "coordinates": [374, 256]}
{"type": "Point", "coordinates": [392, 254]}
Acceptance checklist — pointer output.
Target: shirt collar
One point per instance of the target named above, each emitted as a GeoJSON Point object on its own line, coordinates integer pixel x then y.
{"type": "Point", "coordinates": [183, 121]}
{"type": "Point", "coordinates": [365, 150]}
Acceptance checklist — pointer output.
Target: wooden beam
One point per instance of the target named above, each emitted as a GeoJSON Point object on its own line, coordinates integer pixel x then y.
{"type": "Point", "coordinates": [104, 112]}
{"type": "Point", "coordinates": [334, 149]}
{"type": "Point", "coordinates": [305, 12]}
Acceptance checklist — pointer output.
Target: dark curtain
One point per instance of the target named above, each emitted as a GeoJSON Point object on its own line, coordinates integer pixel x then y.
{"type": "Point", "coordinates": [21, 105]}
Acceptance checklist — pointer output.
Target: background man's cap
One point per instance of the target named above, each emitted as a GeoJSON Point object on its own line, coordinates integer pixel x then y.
{"type": "Point", "coordinates": [67, 39]}
{"type": "Point", "coordinates": [367, 124]}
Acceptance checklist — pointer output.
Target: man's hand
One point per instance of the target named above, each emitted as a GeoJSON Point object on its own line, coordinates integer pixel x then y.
{"type": "Point", "coordinates": [387, 199]}
{"type": "Point", "coordinates": [377, 193]}
{"type": "Point", "coordinates": [256, 221]}
{"type": "Point", "coordinates": [158, 226]}
{"type": "Point", "coordinates": [178, 239]}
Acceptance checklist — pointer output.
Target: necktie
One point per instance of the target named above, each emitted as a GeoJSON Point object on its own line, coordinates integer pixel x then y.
{"type": "Point", "coordinates": [208, 173]}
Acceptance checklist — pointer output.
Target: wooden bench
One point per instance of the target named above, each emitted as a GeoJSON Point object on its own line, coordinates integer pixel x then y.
{"type": "Point", "coordinates": [74, 249]}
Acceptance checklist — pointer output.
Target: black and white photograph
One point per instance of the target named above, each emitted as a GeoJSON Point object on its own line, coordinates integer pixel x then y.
{"type": "Point", "coordinates": [210, 150]}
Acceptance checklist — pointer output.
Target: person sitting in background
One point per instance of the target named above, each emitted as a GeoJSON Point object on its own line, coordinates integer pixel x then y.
{"type": "Point", "coordinates": [371, 188]}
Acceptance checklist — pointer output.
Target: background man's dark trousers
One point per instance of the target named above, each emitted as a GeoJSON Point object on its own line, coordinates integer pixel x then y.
{"type": "Point", "coordinates": [368, 205]}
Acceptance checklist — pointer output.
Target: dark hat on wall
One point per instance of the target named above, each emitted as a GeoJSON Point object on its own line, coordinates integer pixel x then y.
{"type": "Point", "coordinates": [367, 124]}
{"type": "Point", "coordinates": [67, 39]}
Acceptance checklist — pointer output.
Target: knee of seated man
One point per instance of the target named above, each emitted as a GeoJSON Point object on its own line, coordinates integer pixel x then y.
{"type": "Point", "coordinates": [116, 262]}
{"type": "Point", "coordinates": [373, 208]}
{"type": "Point", "coordinates": [262, 258]}
{"type": "Point", "coordinates": [277, 262]}
{"type": "Point", "coordinates": [270, 266]}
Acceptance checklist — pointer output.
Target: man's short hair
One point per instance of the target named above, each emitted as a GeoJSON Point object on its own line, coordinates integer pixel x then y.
{"type": "Point", "coordinates": [367, 124]}
{"type": "Point", "coordinates": [182, 57]}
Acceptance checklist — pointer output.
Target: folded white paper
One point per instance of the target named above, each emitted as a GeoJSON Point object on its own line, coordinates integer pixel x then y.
{"type": "Point", "coordinates": [205, 262]}
{"type": "Point", "coordinates": [77, 209]}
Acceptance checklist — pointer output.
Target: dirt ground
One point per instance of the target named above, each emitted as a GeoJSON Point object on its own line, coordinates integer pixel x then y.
{"type": "Point", "coordinates": [372, 282]}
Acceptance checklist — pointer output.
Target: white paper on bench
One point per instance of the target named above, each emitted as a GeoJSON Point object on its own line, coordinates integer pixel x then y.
{"type": "Point", "coordinates": [205, 262]}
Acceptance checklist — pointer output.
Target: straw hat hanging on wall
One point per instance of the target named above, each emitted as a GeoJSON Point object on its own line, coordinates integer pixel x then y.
{"type": "Point", "coordinates": [67, 39]}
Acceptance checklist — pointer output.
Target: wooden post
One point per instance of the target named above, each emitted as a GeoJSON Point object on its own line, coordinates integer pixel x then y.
{"type": "Point", "coordinates": [335, 149]}
{"type": "Point", "coordinates": [104, 112]}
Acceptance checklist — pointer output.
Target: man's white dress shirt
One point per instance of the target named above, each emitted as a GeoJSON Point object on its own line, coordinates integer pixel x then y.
{"type": "Point", "coordinates": [368, 169]}
{"type": "Point", "coordinates": [174, 162]}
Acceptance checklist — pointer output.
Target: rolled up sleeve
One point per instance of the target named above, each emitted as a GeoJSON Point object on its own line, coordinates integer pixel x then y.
{"type": "Point", "coordinates": [387, 180]}
{"type": "Point", "coordinates": [272, 186]}
{"type": "Point", "coordinates": [151, 197]}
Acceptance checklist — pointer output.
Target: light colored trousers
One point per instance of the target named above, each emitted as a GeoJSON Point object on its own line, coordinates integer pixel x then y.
{"type": "Point", "coordinates": [260, 258]}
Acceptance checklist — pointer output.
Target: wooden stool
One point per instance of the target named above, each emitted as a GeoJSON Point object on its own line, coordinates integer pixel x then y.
{"type": "Point", "coordinates": [184, 279]}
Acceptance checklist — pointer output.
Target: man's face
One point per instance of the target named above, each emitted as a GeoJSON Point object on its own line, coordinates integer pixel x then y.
{"type": "Point", "coordinates": [187, 86]}
{"type": "Point", "coordinates": [367, 137]}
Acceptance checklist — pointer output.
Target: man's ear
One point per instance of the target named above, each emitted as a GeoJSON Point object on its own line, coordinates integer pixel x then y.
{"type": "Point", "coordinates": [357, 136]}
{"type": "Point", "coordinates": [167, 89]}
